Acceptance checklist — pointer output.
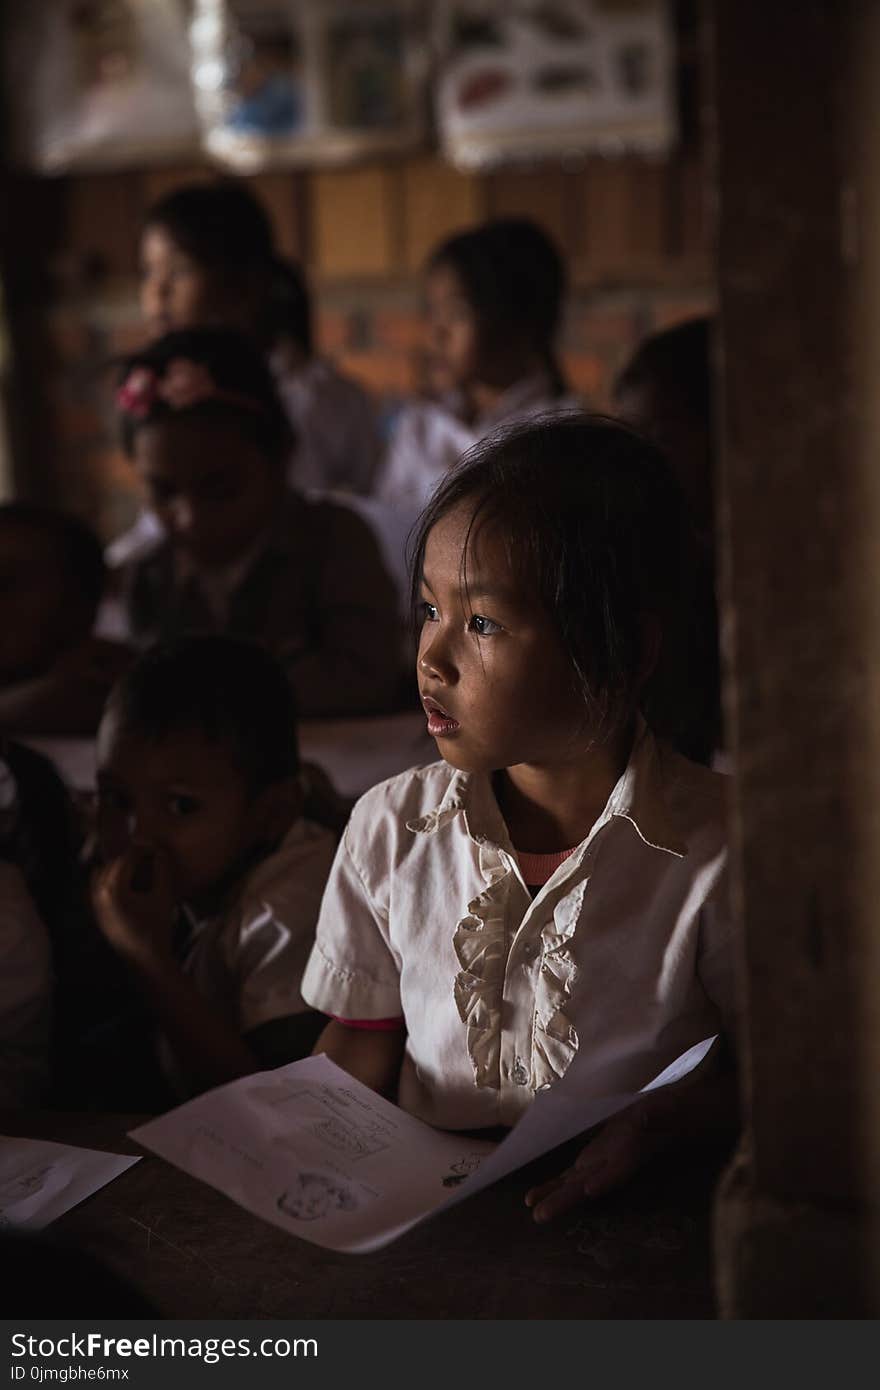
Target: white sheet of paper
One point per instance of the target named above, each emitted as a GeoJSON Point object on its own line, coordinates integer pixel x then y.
{"type": "Point", "coordinates": [40, 1181]}
{"type": "Point", "coordinates": [313, 1151]}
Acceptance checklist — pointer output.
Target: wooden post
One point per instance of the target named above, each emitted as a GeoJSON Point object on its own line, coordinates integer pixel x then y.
{"type": "Point", "coordinates": [797, 113]}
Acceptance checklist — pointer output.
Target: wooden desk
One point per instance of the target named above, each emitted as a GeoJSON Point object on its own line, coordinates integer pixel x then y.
{"type": "Point", "coordinates": [194, 1254]}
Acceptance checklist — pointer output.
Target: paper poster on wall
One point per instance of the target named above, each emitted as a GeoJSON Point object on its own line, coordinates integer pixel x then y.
{"type": "Point", "coordinates": [98, 84]}
{"type": "Point", "coordinates": [317, 81]}
{"type": "Point", "coordinates": [521, 80]}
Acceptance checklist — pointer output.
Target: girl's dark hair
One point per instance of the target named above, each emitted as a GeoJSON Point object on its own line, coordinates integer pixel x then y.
{"type": "Point", "coordinates": [220, 225]}
{"type": "Point", "coordinates": [235, 365]}
{"type": "Point", "coordinates": [677, 363]}
{"type": "Point", "coordinates": [594, 526]}
{"type": "Point", "coordinates": [514, 279]}
{"type": "Point", "coordinates": [232, 691]}
{"type": "Point", "coordinates": [288, 308]}
{"type": "Point", "coordinates": [75, 545]}
{"type": "Point", "coordinates": [223, 227]}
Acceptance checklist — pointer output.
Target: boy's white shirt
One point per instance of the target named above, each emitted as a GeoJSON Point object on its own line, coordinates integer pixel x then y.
{"type": "Point", "coordinates": [25, 993]}
{"type": "Point", "coordinates": [249, 959]}
{"type": "Point", "coordinates": [625, 954]}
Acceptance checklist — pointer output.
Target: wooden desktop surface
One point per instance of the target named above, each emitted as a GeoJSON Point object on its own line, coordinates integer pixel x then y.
{"type": "Point", "coordinates": [643, 1253]}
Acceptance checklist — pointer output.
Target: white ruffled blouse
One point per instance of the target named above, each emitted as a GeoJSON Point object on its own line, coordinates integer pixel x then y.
{"type": "Point", "coordinates": [624, 956]}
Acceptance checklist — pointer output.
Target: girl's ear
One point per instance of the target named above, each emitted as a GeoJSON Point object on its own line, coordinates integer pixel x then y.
{"type": "Point", "coordinates": [276, 808]}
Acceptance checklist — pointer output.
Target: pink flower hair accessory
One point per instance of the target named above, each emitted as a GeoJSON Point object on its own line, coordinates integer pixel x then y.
{"type": "Point", "coordinates": [138, 392]}
{"type": "Point", "coordinates": [184, 383]}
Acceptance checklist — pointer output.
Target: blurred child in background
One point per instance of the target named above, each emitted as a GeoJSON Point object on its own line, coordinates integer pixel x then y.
{"type": "Point", "coordinates": [243, 554]}
{"type": "Point", "coordinates": [42, 911]}
{"type": "Point", "coordinates": [208, 257]}
{"type": "Point", "coordinates": [665, 391]}
{"type": "Point", "coordinates": [54, 673]}
{"type": "Point", "coordinates": [493, 299]}
{"type": "Point", "coordinates": [212, 869]}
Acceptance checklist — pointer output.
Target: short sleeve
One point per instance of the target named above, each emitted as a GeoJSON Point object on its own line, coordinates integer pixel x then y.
{"type": "Point", "coordinates": [269, 967]}
{"type": "Point", "coordinates": [717, 962]}
{"type": "Point", "coordinates": [352, 972]}
{"type": "Point", "coordinates": [266, 945]}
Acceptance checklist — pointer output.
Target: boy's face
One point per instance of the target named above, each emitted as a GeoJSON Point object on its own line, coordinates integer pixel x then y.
{"type": "Point", "coordinates": [214, 490]}
{"type": "Point", "coordinates": [181, 796]}
{"type": "Point", "coordinates": [40, 618]}
{"type": "Point", "coordinates": [495, 680]}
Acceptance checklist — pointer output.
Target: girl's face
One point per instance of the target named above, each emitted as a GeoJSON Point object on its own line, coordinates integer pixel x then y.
{"type": "Point", "coordinates": [182, 796]}
{"type": "Point", "coordinates": [176, 291]}
{"type": "Point", "coordinates": [496, 682]}
{"type": "Point", "coordinates": [452, 332]}
{"type": "Point", "coordinates": [214, 490]}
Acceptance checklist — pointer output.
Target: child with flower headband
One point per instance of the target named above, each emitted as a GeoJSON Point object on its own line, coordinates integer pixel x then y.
{"type": "Point", "coordinates": [208, 256]}
{"type": "Point", "coordinates": [242, 553]}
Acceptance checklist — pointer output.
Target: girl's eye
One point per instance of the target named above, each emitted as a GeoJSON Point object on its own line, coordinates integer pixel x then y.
{"type": "Point", "coordinates": [483, 627]}
{"type": "Point", "coordinates": [429, 612]}
{"type": "Point", "coordinates": [182, 806]}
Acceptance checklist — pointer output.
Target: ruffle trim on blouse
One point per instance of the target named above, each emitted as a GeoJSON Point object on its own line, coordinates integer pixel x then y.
{"type": "Point", "coordinates": [555, 1039]}
{"type": "Point", "coordinates": [450, 806]}
{"type": "Point", "coordinates": [480, 943]}
{"type": "Point", "coordinates": [481, 947]}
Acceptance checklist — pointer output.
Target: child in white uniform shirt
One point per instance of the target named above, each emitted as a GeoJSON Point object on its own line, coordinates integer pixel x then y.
{"type": "Point", "coordinates": [213, 874]}
{"type": "Point", "coordinates": [493, 300]}
{"type": "Point", "coordinates": [555, 888]}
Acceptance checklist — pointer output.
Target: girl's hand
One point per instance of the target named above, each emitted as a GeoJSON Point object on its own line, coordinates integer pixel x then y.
{"type": "Point", "coordinates": [621, 1147]}
{"type": "Point", "coordinates": [134, 905]}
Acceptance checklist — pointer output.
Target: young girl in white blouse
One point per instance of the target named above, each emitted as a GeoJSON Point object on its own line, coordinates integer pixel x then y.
{"type": "Point", "coordinates": [555, 887]}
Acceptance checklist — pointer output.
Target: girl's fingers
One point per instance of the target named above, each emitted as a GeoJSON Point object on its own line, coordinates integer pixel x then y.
{"type": "Point", "coordinates": [537, 1194]}
{"type": "Point", "coordinates": [592, 1175]}
{"type": "Point", "coordinates": [568, 1194]}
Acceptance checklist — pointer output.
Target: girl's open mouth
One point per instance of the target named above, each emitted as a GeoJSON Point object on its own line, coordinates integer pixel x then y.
{"type": "Point", "coordinates": [440, 724]}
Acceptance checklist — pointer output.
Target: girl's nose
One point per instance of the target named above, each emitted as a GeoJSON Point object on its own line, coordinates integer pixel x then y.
{"type": "Point", "coordinates": [434, 661]}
